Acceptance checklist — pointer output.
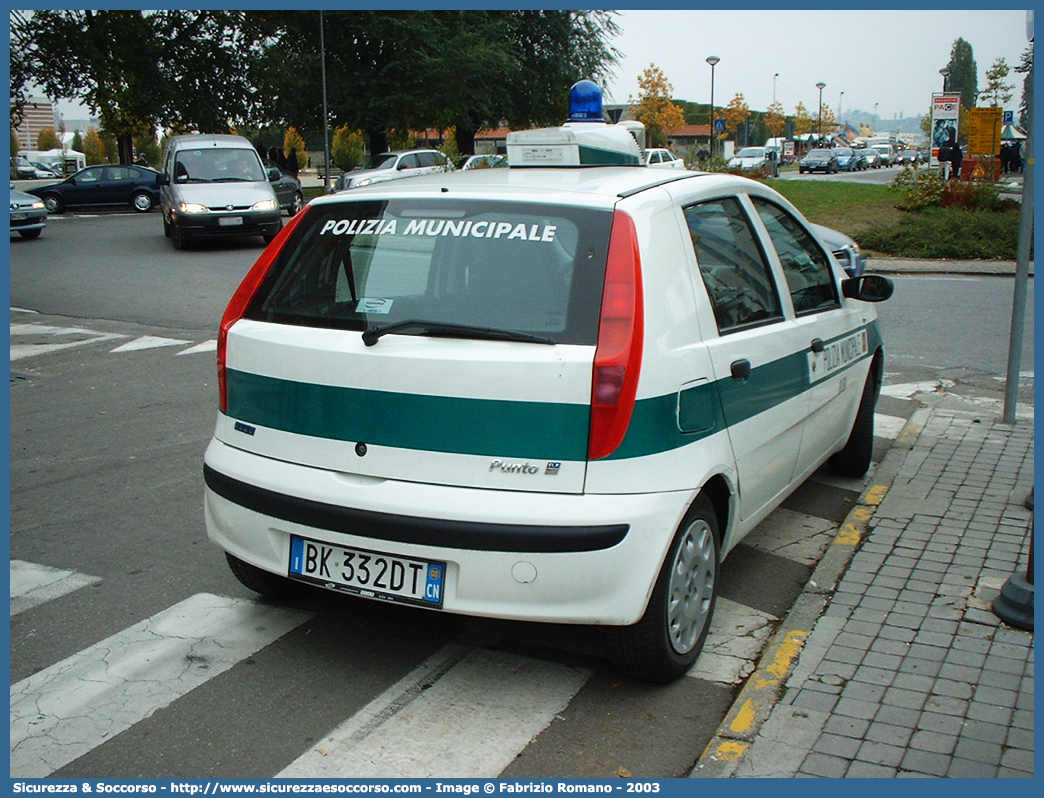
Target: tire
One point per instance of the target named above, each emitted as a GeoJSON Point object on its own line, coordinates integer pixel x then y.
{"type": "Point", "coordinates": [263, 582]}
{"type": "Point", "coordinates": [296, 205]}
{"type": "Point", "coordinates": [666, 642]}
{"type": "Point", "coordinates": [166, 227]}
{"type": "Point", "coordinates": [30, 233]}
{"type": "Point", "coordinates": [142, 202]}
{"type": "Point", "coordinates": [176, 237]}
{"type": "Point", "coordinates": [54, 203]}
{"type": "Point", "coordinates": [855, 458]}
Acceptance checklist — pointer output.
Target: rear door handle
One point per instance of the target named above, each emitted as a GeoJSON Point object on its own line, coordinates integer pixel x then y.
{"type": "Point", "coordinates": [740, 369]}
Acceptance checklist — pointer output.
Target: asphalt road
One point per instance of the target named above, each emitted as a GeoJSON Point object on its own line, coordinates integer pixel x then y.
{"type": "Point", "coordinates": [112, 405]}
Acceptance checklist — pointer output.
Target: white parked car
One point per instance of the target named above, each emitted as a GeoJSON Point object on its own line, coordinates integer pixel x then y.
{"type": "Point", "coordinates": [663, 158]}
{"type": "Point", "coordinates": [555, 393]}
{"type": "Point", "coordinates": [395, 166]}
{"type": "Point", "coordinates": [751, 158]}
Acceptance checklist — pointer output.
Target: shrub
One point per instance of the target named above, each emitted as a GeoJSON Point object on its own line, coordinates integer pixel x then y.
{"type": "Point", "coordinates": [949, 232]}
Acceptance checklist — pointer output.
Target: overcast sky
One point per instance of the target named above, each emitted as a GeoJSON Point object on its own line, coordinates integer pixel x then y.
{"type": "Point", "coordinates": [887, 57]}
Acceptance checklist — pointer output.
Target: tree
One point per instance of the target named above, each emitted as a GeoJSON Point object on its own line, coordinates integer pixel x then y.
{"type": "Point", "coordinates": [77, 141]}
{"type": "Point", "coordinates": [347, 148]}
{"type": "Point", "coordinates": [654, 107]}
{"type": "Point", "coordinates": [735, 113]}
{"type": "Point", "coordinates": [775, 119]}
{"type": "Point", "coordinates": [16, 145]}
{"type": "Point", "coordinates": [294, 145]}
{"type": "Point", "coordinates": [466, 69]}
{"type": "Point", "coordinates": [963, 77]}
{"type": "Point", "coordinates": [1025, 67]}
{"type": "Point", "coordinates": [802, 120]}
{"type": "Point", "coordinates": [94, 147]}
{"type": "Point", "coordinates": [138, 70]}
{"type": "Point", "coordinates": [997, 91]}
{"type": "Point", "coordinates": [47, 139]}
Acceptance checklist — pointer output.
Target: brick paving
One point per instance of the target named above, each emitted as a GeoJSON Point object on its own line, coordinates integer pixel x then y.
{"type": "Point", "coordinates": [908, 672]}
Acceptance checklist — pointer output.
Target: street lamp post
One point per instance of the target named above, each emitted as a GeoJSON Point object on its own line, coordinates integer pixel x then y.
{"type": "Point", "coordinates": [774, 88]}
{"type": "Point", "coordinates": [945, 72]}
{"type": "Point", "coordinates": [712, 60]}
{"type": "Point", "coordinates": [840, 105]}
{"type": "Point", "coordinates": [821, 85]}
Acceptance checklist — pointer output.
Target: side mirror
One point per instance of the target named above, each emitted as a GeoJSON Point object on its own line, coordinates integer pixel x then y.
{"type": "Point", "coordinates": [163, 179]}
{"type": "Point", "coordinates": [868, 288]}
{"type": "Point", "coordinates": [274, 175]}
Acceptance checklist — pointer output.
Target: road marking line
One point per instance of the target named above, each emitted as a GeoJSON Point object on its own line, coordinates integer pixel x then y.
{"type": "Point", "coordinates": [149, 342]}
{"type": "Point", "coordinates": [206, 346]}
{"type": "Point", "coordinates": [33, 584]}
{"type": "Point", "coordinates": [64, 711]}
{"type": "Point", "coordinates": [495, 701]}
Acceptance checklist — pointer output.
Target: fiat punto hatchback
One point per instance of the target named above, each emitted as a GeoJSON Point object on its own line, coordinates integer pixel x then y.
{"type": "Point", "coordinates": [560, 392]}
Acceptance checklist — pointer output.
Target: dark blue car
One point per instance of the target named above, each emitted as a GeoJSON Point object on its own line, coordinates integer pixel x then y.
{"type": "Point", "coordinates": [106, 184]}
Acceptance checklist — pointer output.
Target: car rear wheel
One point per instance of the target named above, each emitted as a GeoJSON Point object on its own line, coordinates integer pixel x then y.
{"type": "Point", "coordinates": [264, 582]}
{"type": "Point", "coordinates": [854, 460]}
{"type": "Point", "coordinates": [53, 203]}
{"type": "Point", "coordinates": [665, 643]}
{"type": "Point", "coordinates": [142, 202]}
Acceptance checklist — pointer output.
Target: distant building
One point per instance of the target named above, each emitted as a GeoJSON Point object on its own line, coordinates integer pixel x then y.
{"type": "Point", "coordinates": [37, 115]}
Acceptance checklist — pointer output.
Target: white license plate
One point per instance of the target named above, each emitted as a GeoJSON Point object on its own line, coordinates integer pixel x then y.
{"type": "Point", "coordinates": [17, 217]}
{"type": "Point", "coordinates": [230, 221]}
{"type": "Point", "coordinates": [367, 573]}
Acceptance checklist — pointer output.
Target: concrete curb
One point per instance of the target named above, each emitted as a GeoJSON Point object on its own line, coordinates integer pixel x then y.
{"type": "Point", "coordinates": [766, 685]}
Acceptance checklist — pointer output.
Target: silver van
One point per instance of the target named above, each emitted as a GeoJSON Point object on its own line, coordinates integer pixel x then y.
{"type": "Point", "coordinates": [216, 185]}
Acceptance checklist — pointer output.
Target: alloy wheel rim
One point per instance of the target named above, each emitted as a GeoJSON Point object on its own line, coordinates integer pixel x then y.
{"type": "Point", "coordinates": [691, 586]}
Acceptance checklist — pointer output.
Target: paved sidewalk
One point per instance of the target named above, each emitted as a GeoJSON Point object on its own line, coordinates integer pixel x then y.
{"type": "Point", "coordinates": [892, 663]}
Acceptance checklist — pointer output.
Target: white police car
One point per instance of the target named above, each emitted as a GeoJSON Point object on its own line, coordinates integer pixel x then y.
{"type": "Point", "coordinates": [561, 391]}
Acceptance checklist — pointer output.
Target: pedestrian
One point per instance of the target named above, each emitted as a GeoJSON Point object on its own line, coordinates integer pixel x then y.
{"type": "Point", "coordinates": [1016, 157]}
{"type": "Point", "coordinates": [291, 163]}
{"type": "Point", "coordinates": [1005, 158]}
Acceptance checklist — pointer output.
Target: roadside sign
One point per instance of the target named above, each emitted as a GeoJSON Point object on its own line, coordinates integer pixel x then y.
{"type": "Point", "coordinates": [719, 125]}
{"type": "Point", "coordinates": [1009, 117]}
{"type": "Point", "coordinates": [984, 131]}
{"type": "Point", "coordinates": [946, 108]}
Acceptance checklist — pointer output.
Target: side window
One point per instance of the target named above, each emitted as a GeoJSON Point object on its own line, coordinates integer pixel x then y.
{"type": "Point", "coordinates": [409, 162]}
{"type": "Point", "coordinates": [89, 176]}
{"type": "Point", "coordinates": [810, 277]}
{"type": "Point", "coordinates": [732, 265]}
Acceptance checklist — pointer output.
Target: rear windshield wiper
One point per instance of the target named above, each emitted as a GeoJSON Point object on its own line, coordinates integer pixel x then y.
{"type": "Point", "coordinates": [440, 328]}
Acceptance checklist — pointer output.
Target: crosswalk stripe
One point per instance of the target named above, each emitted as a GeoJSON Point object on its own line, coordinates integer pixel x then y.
{"type": "Point", "coordinates": [737, 635]}
{"type": "Point", "coordinates": [496, 701]}
{"type": "Point", "coordinates": [33, 584]}
{"type": "Point", "coordinates": [888, 426]}
{"type": "Point", "coordinates": [62, 712]}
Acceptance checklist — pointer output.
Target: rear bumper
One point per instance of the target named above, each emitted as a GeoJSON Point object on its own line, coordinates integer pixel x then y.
{"type": "Point", "coordinates": [513, 555]}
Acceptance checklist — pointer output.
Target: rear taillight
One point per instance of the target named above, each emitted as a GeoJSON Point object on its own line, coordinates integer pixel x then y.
{"type": "Point", "coordinates": [241, 301]}
{"type": "Point", "coordinates": [618, 358]}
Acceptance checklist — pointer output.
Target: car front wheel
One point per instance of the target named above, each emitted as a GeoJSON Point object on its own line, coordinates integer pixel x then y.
{"type": "Point", "coordinates": [665, 643]}
{"type": "Point", "coordinates": [54, 203]}
{"type": "Point", "coordinates": [296, 205]}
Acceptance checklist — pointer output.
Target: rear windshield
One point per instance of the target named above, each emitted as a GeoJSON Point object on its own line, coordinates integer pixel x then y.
{"type": "Point", "coordinates": [520, 267]}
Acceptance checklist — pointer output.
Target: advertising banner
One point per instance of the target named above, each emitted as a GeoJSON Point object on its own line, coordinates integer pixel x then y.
{"type": "Point", "coordinates": [946, 108]}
